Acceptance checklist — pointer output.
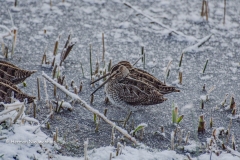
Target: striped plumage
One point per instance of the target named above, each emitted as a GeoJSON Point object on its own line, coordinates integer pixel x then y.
{"type": "Point", "coordinates": [127, 86]}
{"type": "Point", "coordinates": [146, 77]}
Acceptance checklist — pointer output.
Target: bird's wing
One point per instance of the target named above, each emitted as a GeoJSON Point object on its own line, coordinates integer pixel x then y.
{"type": "Point", "coordinates": [153, 81]}
{"type": "Point", "coordinates": [137, 92]}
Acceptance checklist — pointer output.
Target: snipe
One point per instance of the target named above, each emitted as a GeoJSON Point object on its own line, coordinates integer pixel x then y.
{"type": "Point", "coordinates": [127, 84]}
{"type": "Point", "coordinates": [6, 89]}
{"type": "Point", "coordinates": [12, 73]}
{"type": "Point", "coordinates": [122, 89]}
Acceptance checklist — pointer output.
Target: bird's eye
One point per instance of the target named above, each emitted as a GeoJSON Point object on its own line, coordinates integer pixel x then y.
{"type": "Point", "coordinates": [117, 71]}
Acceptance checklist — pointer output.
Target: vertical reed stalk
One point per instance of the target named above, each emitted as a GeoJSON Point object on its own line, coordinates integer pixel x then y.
{"type": "Point", "coordinates": [224, 12]}
{"type": "Point", "coordinates": [180, 62]}
{"type": "Point", "coordinates": [15, 3]}
{"type": "Point", "coordinates": [143, 56]}
{"type": "Point", "coordinates": [202, 12]}
{"type": "Point", "coordinates": [38, 86]}
{"type": "Point", "coordinates": [14, 41]}
{"type": "Point", "coordinates": [180, 77]}
{"type": "Point", "coordinates": [205, 66]}
{"type": "Point", "coordinates": [103, 47]}
{"type": "Point", "coordinates": [34, 109]}
{"type": "Point", "coordinates": [90, 61]}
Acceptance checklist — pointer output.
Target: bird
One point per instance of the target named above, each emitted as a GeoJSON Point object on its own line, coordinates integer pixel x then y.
{"type": "Point", "coordinates": [6, 90]}
{"type": "Point", "coordinates": [146, 77]}
{"type": "Point", "coordinates": [123, 90]}
{"type": "Point", "coordinates": [13, 73]}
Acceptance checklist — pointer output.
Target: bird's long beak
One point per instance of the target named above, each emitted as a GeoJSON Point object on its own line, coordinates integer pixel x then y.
{"type": "Point", "coordinates": [137, 61]}
{"type": "Point", "coordinates": [102, 84]}
{"type": "Point", "coordinates": [100, 78]}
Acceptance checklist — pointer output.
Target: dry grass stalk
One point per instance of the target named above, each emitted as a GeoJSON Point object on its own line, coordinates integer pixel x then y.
{"type": "Point", "coordinates": [54, 71]}
{"type": "Point", "coordinates": [48, 125]}
{"type": "Point", "coordinates": [103, 47]}
{"type": "Point", "coordinates": [233, 143]}
{"type": "Point", "coordinates": [201, 125]}
{"type": "Point", "coordinates": [106, 100]}
{"type": "Point", "coordinates": [224, 12]}
{"type": "Point", "coordinates": [44, 59]}
{"type": "Point", "coordinates": [90, 60]}
{"type": "Point", "coordinates": [88, 107]}
{"type": "Point", "coordinates": [97, 68]}
{"type": "Point", "coordinates": [66, 50]}
{"type": "Point", "coordinates": [187, 137]}
{"type": "Point", "coordinates": [202, 12]}
{"type": "Point", "coordinates": [75, 90]}
{"type": "Point", "coordinates": [105, 112]}
{"type": "Point", "coordinates": [143, 56]}
{"type": "Point", "coordinates": [211, 122]}
{"type": "Point", "coordinates": [118, 148]}
{"type": "Point", "coordinates": [205, 9]}
{"type": "Point", "coordinates": [72, 83]}
{"type": "Point", "coordinates": [55, 91]}
{"type": "Point", "coordinates": [38, 87]}
{"type": "Point", "coordinates": [93, 83]}
{"type": "Point", "coordinates": [20, 112]}
{"type": "Point", "coordinates": [53, 62]}
{"type": "Point", "coordinates": [6, 52]}
{"type": "Point", "coordinates": [180, 62]}
{"type": "Point", "coordinates": [3, 48]}
{"type": "Point", "coordinates": [110, 158]}
{"type": "Point", "coordinates": [56, 47]}
{"type": "Point", "coordinates": [56, 134]}
{"type": "Point", "coordinates": [127, 118]}
{"type": "Point", "coordinates": [162, 129]}
{"type": "Point", "coordinates": [113, 136]}
{"type": "Point", "coordinates": [80, 87]}
{"type": "Point", "coordinates": [202, 104]}
{"type": "Point", "coordinates": [234, 111]}
{"type": "Point", "coordinates": [34, 109]}
{"type": "Point", "coordinates": [232, 103]}
{"type": "Point", "coordinates": [92, 98]}
{"type": "Point", "coordinates": [14, 41]}
{"type": "Point", "coordinates": [204, 88]}
{"type": "Point", "coordinates": [109, 65]}
{"type": "Point", "coordinates": [180, 77]}
{"type": "Point", "coordinates": [15, 3]}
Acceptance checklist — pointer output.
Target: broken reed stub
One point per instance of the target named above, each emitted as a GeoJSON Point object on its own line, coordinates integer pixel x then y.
{"type": "Point", "coordinates": [233, 143]}
{"type": "Point", "coordinates": [180, 62]}
{"type": "Point", "coordinates": [105, 112]}
{"type": "Point", "coordinates": [202, 104]}
{"type": "Point", "coordinates": [211, 122]}
{"type": "Point", "coordinates": [204, 88]}
{"type": "Point", "coordinates": [38, 87]}
{"type": "Point", "coordinates": [106, 100]}
{"type": "Point", "coordinates": [92, 98]}
{"type": "Point", "coordinates": [80, 87]}
{"type": "Point", "coordinates": [201, 124]}
{"type": "Point", "coordinates": [180, 77]}
{"type": "Point", "coordinates": [103, 44]}
{"type": "Point", "coordinates": [232, 103]}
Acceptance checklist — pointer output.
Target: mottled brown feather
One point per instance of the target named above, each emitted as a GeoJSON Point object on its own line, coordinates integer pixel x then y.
{"type": "Point", "coordinates": [146, 77]}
